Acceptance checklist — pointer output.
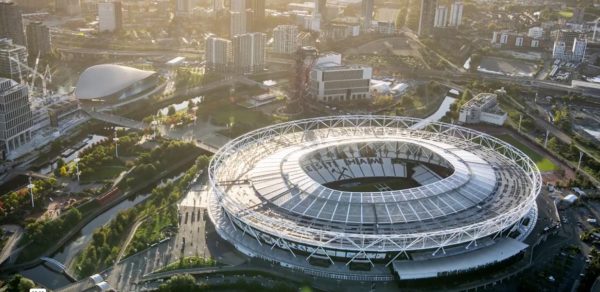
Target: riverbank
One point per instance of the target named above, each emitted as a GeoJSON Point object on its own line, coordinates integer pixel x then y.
{"type": "Point", "coordinates": [108, 241]}
{"type": "Point", "coordinates": [74, 230]}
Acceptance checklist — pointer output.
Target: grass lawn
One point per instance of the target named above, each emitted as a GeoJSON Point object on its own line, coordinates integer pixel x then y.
{"type": "Point", "coordinates": [104, 173]}
{"type": "Point", "coordinates": [566, 13]}
{"type": "Point", "coordinates": [232, 112]}
{"type": "Point", "coordinates": [189, 262]}
{"type": "Point", "coordinates": [543, 163]}
{"type": "Point", "coordinates": [222, 111]}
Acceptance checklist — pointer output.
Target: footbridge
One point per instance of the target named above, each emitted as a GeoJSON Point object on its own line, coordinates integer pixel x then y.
{"type": "Point", "coordinates": [117, 120]}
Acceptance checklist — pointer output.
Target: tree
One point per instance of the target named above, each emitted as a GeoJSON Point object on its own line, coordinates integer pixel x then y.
{"type": "Point", "coordinates": [64, 171]}
{"type": "Point", "coordinates": [202, 161]}
{"type": "Point", "coordinates": [72, 216]}
{"type": "Point", "coordinates": [475, 61]}
{"type": "Point", "coordinates": [19, 283]}
{"type": "Point", "coordinates": [562, 118]}
{"type": "Point", "coordinates": [553, 144]}
{"type": "Point", "coordinates": [171, 110]}
{"type": "Point", "coordinates": [401, 17]}
{"type": "Point", "coordinates": [25, 285]}
{"type": "Point", "coordinates": [180, 283]}
{"type": "Point", "coordinates": [59, 164]}
{"type": "Point", "coordinates": [99, 238]}
{"type": "Point", "coordinates": [383, 100]}
{"type": "Point", "coordinates": [56, 146]}
{"type": "Point", "coordinates": [13, 284]}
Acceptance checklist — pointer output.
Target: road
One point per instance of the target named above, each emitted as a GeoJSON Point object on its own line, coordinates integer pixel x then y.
{"type": "Point", "coordinates": [126, 53]}
{"type": "Point", "coordinates": [449, 77]}
{"type": "Point", "coordinates": [11, 242]}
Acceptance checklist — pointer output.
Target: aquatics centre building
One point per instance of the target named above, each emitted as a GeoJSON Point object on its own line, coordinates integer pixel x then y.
{"type": "Point", "coordinates": [111, 83]}
{"type": "Point", "coordinates": [374, 197]}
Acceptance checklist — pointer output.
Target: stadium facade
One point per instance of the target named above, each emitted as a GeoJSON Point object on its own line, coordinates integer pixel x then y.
{"type": "Point", "coordinates": [347, 197]}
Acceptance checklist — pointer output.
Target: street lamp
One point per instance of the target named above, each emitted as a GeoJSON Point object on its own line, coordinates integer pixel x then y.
{"type": "Point", "coordinates": [154, 125]}
{"type": "Point", "coordinates": [195, 117]}
{"type": "Point", "coordinates": [116, 139]}
{"type": "Point", "coordinates": [30, 186]}
{"type": "Point", "coordinates": [77, 168]}
{"type": "Point", "coordinates": [595, 28]}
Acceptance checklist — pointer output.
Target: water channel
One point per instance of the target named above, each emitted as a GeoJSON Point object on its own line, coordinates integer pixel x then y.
{"type": "Point", "coordinates": [52, 279]}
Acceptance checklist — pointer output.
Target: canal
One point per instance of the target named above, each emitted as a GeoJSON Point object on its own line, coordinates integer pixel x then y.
{"type": "Point", "coordinates": [50, 278]}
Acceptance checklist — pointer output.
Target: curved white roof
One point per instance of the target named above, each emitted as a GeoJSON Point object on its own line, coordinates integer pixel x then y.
{"type": "Point", "coordinates": [275, 179]}
{"type": "Point", "coordinates": [106, 79]}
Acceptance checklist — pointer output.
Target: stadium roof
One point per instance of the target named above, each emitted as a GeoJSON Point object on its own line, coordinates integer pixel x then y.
{"type": "Point", "coordinates": [103, 80]}
{"type": "Point", "coordinates": [274, 180]}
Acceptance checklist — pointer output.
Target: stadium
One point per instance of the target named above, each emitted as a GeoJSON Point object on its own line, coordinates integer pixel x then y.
{"type": "Point", "coordinates": [374, 197]}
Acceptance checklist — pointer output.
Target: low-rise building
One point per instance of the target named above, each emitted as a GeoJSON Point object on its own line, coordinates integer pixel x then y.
{"type": "Point", "coordinates": [513, 40]}
{"type": "Point", "coordinates": [330, 81]}
{"type": "Point", "coordinates": [386, 27]}
{"type": "Point", "coordinates": [340, 31]}
{"type": "Point", "coordinates": [536, 32]}
{"type": "Point", "coordinates": [483, 108]}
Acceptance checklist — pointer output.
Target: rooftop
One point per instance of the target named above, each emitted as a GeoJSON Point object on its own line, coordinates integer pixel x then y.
{"type": "Point", "coordinates": [103, 80]}
{"type": "Point", "coordinates": [281, 181]}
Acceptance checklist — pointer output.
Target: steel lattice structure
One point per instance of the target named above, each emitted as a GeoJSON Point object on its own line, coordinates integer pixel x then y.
{"type": "Point", "coordinates": [266, 184]}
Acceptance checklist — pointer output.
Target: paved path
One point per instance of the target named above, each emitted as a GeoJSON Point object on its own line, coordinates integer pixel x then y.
{"type": "Point", "coordinates": [117, 120]}
{"type": "Point", "coordinates": [129, 238]}
{"type": "Point", "coordinates": [10, 245]}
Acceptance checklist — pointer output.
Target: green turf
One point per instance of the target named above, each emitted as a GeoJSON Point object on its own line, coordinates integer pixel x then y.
{"type": "Point", "coordinates": [566, 13]}
{"type": "Point", "coordinates": [107, 172]}
{"type": "Point", "coordinates": [543, 163]}
{"type": "Point", "coordinates": [368, 184]}
{"type": "Point", "coordinates": [224, 111]}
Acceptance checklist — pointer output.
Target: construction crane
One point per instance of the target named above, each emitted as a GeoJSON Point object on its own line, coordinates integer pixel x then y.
{"type": "Point", "coordinates": [34, 72]}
